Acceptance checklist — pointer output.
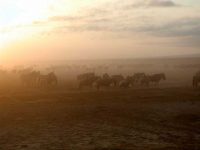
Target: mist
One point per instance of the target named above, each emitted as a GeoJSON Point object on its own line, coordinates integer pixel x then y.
{"type": "Point", "coordinates": [99, 75]}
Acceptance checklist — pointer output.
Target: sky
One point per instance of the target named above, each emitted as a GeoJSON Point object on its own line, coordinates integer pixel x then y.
{"type": "Point", "coordinates": [92, 29]}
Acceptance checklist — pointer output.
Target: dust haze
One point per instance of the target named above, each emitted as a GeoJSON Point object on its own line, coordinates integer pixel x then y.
{"type": "Point", "coordinates": [119, 104]}
{"type": "Point", "coordinates": [99, 75]}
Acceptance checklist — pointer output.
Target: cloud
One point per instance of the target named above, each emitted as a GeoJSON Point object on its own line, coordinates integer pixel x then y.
{"type": "Point", "coordinates": [104, 17]}
{"type": "Point", "coordinates": [161, 3]}
{"type": "Point", "coordinates": [65, 18]}
{"type": "Point", "coordinates": [152, 3]}
{"type": "Point", "coordinates": [188, 26]}
{"type": "Point", "coordinates": [185, 30]}
{"type": "Point", "coordinates": [83, 15]}
{"type": "Point", "coordinates": [130, 22]}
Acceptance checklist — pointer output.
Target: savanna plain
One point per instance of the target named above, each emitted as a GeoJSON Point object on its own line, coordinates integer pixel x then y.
{"type": "Point", "coordinates": [64, 117]}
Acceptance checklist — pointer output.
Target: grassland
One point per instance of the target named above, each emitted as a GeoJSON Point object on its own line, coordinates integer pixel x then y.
{"type": "Point", "coordinates": [115, 119]}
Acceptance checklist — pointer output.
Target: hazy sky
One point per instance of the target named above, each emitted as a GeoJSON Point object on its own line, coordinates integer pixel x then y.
{"type": "Point", "coordinates": [90, 29]}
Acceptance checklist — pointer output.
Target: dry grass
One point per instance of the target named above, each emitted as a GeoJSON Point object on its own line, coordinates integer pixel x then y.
{"type": "Point", "coordinates": [138, 119]}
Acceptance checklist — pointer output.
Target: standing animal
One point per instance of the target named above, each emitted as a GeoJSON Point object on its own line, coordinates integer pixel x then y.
{"type": "Point", "coordinates": [49, 79]}
{"type": "Point", "coordinates": [145, 81]}
{"type": "Point", "coordinates": [30, 78]}
{"type": "Point", "coordinates": [88, 82]}
{"type": "Point", "coordinates": [106, 76]}
{"type": "Point", "coordinates": [86, 79]}
{"type": "Point", "coordinates": [196, 80]}
{"type": "Point", "coordinates": [132, 80]}
{"type": "Point", "coordinates": [126, 83]}
{"type": "Point", "coordinates": [104, 81]}
{"type": "Point", "coordinates": [85, 76]}
{"type": "Point", "coordinates": [101, 82]}
{"type": "Point", "coordinates": [117, 79]}
{"type": "Point", "coordinates": [156, 78]}
{"type": "Point", "coordinates": [137, 77]}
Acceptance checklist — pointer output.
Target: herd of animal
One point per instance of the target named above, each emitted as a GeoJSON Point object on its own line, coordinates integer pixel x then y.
{"type": "Point", "coordinates": [35, 78]}
{"type": "Point", "coordinates": [32, 78]}
{"type": "Point", "coordinates": [93, 80]}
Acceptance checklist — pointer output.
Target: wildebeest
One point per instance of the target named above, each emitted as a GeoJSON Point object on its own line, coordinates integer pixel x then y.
{"type": "Point", "coordinates": [196, 79]}
{"type": "Point", "coordinates": [156, 78]}
{"type": "Point", "coordinates": [49, 79]}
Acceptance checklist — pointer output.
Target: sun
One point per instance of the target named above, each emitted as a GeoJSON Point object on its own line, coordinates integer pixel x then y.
{"type": "Point", "coordinates": [21, 13]}
{"type": "Point", "coordinates": [15, 15]}
{"type": "Point", "coordinates": [26, 11]}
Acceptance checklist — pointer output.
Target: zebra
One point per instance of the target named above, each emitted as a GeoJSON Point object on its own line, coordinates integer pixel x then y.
{"type": "Point", "coordinates": [85, 76]}
{"type": "Point", "coordinates": [117, 79]}
{"type": "Point", "coordinates": [137, 77]}
{"type": "Point", "coordinates": [156, 78]}
{"type": "Point", "coordinates": [30, 79]}
{"type": "Point", "coordinates": [49, 79]}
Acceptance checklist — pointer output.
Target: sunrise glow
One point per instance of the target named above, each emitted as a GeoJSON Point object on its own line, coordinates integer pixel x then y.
{"type": "Point", "coordinates": [140, 28]}
{"type": "Point", "coordinates": [99, 74]}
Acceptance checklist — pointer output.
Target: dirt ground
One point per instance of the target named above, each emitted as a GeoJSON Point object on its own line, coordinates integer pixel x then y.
{"type": "Point", "coordinates": [117, 119]}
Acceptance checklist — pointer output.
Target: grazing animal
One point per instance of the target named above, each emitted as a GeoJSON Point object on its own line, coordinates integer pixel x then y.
{"type": "Point", "coordinates": [156, 78]}
{"type": "Point", "coordinates": [196, 80]}
{"type": "Point", "coordinates": [117, 79]}
{"type": "Point", "coordinates": [49, 79]}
